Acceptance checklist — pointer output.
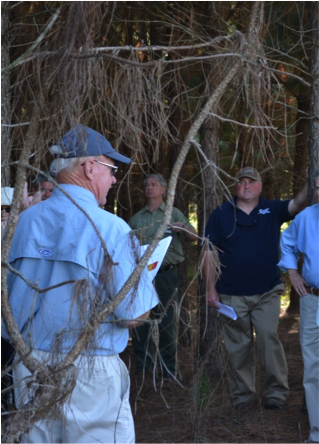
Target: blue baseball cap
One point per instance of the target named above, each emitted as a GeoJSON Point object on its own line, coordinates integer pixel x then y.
{"type": "Point", "coordinates": [82, 141]}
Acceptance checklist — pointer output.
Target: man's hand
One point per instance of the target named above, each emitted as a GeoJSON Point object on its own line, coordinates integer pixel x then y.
{"type": "Point", "coordinates": [36, 198]}
{"type": "Point", "coordinates": [297, 282]}
{"type": "Point", "coordinates": [212, 298]}
{"type": "Point", "coordinates": [177, 226]}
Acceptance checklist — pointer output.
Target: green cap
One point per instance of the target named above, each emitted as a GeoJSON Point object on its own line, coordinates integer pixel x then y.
{"type": "Point", "coordinates": [248, 172]}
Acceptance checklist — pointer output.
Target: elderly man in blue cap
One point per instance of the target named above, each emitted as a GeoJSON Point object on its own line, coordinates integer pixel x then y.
{"type": "Point", "coordinates": [63, 250]}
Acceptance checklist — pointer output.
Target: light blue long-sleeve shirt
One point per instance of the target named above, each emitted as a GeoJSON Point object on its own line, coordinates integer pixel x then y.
{"type": "Point", "coordinates": [302, 236]}
{"type": "Point", "coordinates": [54, 243]}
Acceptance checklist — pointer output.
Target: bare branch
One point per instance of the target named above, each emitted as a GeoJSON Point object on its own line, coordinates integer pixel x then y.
{"type": "Point", "coordinates": [239, 123]}
{"type": "Point", "coordinates": [11, 326]}
{"type": "Point", "coordinates": [290, 74]}
{"type": "Point", "coordinates": [35, 44]}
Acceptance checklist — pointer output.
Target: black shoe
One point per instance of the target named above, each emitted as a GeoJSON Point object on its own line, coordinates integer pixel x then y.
{"type": "Point", "coordinates": [274, 404]}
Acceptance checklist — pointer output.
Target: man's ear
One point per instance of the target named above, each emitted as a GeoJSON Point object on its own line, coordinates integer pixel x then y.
{"type": "Point", "coordinates": [88, 169]}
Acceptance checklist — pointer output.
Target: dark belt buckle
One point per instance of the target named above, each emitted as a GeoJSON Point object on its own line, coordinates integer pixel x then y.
{"type": "Point", "coordinates": [313, 291]}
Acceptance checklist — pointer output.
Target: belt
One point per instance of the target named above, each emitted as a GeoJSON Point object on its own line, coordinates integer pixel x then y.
{"type": "Point", "coordinates": [168, 267]}
{"type": "Point", "coordinates": [314, 291]}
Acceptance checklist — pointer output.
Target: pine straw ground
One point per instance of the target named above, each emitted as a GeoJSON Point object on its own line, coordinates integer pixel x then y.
{"type": "Point", "coordinates": [170, 413]}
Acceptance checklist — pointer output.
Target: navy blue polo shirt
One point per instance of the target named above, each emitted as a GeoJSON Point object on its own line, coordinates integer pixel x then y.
{"type": "Point", "coordinates": [248, 245]}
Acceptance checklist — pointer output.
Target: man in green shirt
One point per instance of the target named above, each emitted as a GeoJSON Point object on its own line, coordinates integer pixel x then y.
{"type": "Point", "coordinates": [146, 223]}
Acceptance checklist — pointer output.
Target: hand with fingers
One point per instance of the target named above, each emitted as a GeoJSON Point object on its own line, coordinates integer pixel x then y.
{"type": "Point", "coordinates": [298, 282]}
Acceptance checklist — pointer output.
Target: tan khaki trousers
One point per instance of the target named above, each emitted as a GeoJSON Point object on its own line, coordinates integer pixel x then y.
{"type": "Point", "coordinates": [261, 312]}
{"type": "Point", "coordinates": [98, 410]}
{"type": "Point", "coordinates": [309, 339]}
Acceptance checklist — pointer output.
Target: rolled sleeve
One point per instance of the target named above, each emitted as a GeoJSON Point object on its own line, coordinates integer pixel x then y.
{"type": "Point", "coordinates": [289, 250]}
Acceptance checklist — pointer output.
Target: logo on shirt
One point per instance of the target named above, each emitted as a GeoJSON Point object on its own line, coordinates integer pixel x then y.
{"type": "Point", "coordinates": [141, 223]}
{"type": "Point", "coordinates": [265, 211]}
{"type": "Point", "coordinates": [44, 252]}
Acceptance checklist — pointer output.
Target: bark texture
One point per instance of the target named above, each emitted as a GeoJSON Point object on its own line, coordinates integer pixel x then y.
{"type": "Point", "coordinates": [5, 96]}
{"type": "Point", "coordinates": [314, 102]}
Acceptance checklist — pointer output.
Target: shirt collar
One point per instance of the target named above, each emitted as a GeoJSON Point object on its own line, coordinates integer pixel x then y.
{"type": "Point", "coordinates": [256, 207]}
{"type": "Point", "coordinates": [76, 192]}
{"type": "Point", "coordinates": [161, 207]}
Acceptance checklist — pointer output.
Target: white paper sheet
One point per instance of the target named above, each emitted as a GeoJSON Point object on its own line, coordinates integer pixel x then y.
{"type": "Point", "coordinates": [155, 261]}
{"type": "Point", "coordinates": [227, 311]}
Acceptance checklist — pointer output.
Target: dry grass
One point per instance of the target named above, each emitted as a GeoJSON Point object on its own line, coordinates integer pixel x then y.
{"type": "Point", "coordinates": [171, 413]}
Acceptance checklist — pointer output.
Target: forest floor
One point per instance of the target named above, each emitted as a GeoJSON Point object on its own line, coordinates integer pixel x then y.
{"type": "Point", "coordinates": [183, 412]}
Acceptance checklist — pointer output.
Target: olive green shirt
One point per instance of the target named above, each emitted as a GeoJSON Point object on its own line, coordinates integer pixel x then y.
{"type": "Point", "coordinates": [146, 225]}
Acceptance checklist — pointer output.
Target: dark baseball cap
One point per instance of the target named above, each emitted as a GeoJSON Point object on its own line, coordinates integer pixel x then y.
{"type": "Point", "coordinates": [250, 172]}
{"type": "Point", "coordinates": [82, 141]}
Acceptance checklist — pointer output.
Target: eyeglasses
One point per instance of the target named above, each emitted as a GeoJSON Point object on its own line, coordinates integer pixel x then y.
{"type": "Point", "coordinates": [113, 167]}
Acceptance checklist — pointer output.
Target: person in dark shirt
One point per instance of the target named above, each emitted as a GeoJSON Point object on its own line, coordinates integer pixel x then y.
{"type": "Point", "coordinates": [146, 223]}
{"type": "Point", "coordinates": [246, 232]}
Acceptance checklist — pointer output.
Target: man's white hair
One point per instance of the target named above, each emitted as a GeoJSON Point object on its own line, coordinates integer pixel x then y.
{"type": "Point", "coordinates": [61, 163]}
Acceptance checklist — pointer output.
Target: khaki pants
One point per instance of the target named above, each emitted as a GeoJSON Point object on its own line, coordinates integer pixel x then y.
{"type": "Point", "coordinates": [262, 312]}
{"type": "Point", "coordinates": [98, 410]}
{"type": "Point", "coordinates": [309, 339]}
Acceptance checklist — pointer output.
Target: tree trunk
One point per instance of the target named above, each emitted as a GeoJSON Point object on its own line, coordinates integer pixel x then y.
{"type": "Point", "coordinates": [181, 202]}
{"type": "Point", "coordinates": [300, 165]}
{"type": "Point", "coordinates": [208, 331]}
{"type": "Point", "coordinates": [5, 97]}
{"type": "Point", "coordinates": [301, 145]}
{"type": "Point", "coordinates": [208, 323]}
{"type": "Point", "coordinates": [314, 101]}
{"type": "Point", "coordinates": [269, 179]}
{"type": "Point", "coordinates": [179, 126]}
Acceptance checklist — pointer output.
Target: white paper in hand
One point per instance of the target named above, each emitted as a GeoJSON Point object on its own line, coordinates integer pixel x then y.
{"type": "Point", "coordinates": [155, 261]}
{"type": "Point", "coordinates": [227, 311]}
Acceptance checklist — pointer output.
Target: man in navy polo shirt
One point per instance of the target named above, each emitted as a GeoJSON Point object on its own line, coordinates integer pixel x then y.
{"type": "Point", "coordinates": [246, 231]}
